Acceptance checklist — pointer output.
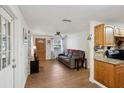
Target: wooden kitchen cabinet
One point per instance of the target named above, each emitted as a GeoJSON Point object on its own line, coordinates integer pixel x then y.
{"type": "Point", "coordinates": [109, 36]}
{"type": "Point", "coordinates": [103, 35]}
{"type": "Point", "coordinates": [119, 32]}
{"type": "Point", "coordinates": [99, 35]}
{"type": "Point", "coordinates": [119, 76]}
{"type": "Point", "coordinates": [110, 75]}
{"type": "Point", "coordinates": [103, 73]}
{"type": "Point", "coordinates": [122, 32]}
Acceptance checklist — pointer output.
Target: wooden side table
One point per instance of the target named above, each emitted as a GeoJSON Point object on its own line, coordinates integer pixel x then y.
{"type": "Point", "coordinates": [77, 61]}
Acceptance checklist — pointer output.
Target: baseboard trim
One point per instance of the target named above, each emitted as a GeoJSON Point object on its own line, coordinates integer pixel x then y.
{"type": "Point", "coordinates": [25, 80]}
{"type": "Point", "coordinates": [96, 82]}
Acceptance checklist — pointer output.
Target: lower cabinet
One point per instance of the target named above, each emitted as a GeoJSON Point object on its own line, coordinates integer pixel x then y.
{"type": "Point", "coordinates": [110, 75]}
{"type": "Point", "coordinates": [119, 72]}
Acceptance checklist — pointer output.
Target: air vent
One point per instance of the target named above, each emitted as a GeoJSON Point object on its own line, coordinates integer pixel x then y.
{"type": "Point", "coordinates": [66, 20]}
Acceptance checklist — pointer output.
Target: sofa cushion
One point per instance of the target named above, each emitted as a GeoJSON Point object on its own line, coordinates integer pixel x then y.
{"type": "Point", "coordinates": [70, 54]}
{"type": "Point", "coordinates": [67, 59]}
{"type": "Point", "coordinates": [66, 52]}
{"type": "Point", "coordinates": [63, 57]}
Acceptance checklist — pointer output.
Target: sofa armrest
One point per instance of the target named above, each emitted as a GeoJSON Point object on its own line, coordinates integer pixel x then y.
{"type": "Point", "coordinates": [61, 55]}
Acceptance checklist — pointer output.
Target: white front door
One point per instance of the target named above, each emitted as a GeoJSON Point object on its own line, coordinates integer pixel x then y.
{"type": "Point", "coordinates": [6, 50]}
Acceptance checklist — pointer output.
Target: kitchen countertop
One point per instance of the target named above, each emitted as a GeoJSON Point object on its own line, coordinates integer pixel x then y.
{"type": "Point", "coordinates": [101, 57]}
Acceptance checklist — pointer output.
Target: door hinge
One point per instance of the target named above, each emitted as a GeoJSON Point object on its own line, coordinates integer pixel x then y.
{"type": "Point", "coordinates": [13, 66]}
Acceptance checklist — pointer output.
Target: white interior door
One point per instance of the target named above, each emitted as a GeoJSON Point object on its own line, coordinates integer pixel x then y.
{"type": "Point", "coordinates": [6, 50]}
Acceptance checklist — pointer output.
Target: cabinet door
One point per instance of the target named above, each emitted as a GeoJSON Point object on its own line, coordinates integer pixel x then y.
{"type": "Point", "coordinates": [117, 31]}
{"type": "Point", "coordinates": [99, 35]}
{"type": "Point", "coordinates": [99, 71]}
{"type": "Point", "coordinates": [122, 32]}
{"type": "Point", "coordinates": [120, 76]}
{"type": "Point", "coordinates": [104, 73]}
{"type": "Point", "coordinates": [96, 36]}
{"type": "Point", "coordinates": [109, 36]}
{"type": "Point", "coordinates": [110, 76]}
{"type": "Point", "coordinates": [96, 70]}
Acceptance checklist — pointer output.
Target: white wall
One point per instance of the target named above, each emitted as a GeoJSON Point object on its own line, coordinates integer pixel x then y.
{"type": "Point", "coordinates": [20, 54]}
{"type": "Point", "coordinates": [77, 40]}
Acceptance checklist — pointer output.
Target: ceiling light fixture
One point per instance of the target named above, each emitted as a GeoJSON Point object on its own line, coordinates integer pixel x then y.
{"type": "Point", "coordinates": [57, 33]}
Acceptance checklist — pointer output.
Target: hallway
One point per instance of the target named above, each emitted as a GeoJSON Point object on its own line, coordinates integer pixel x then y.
{"type": "Point", "coordinates": [54, 74]}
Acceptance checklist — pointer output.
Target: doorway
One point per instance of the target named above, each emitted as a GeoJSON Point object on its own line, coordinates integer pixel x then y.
{"type": "Point", "coordinates": [41, 48]}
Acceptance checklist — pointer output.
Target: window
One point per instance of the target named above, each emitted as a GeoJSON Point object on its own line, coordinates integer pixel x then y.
{"type": "Point", "coordinates": [57, 43]}
{"type": "Point", "coordinates": [5, 43]}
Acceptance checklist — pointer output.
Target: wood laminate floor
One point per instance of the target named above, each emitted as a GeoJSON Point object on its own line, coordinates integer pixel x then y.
{"type": "Point", "coordinates": [54, 74]}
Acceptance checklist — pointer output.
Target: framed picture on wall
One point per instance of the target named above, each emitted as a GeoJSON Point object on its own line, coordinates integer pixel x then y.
{"type": "Point", "coordinates": [48, 42]}
{"type": "Point", "coordinates": [25, 36]}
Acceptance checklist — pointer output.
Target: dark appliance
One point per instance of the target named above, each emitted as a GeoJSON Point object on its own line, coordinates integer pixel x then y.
{"type": "Point", "coordinates": [116, 54]}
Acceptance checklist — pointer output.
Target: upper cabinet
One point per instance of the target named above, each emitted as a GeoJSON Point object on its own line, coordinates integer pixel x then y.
{"type": "Point", "coordinates": [99, 35]}
{"type": "Point", "coordinates": [104, 35]}
{"type": "Point", "coordinates": [108, 36]}
{"type": "Point", "coordinates": [119, 32]}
